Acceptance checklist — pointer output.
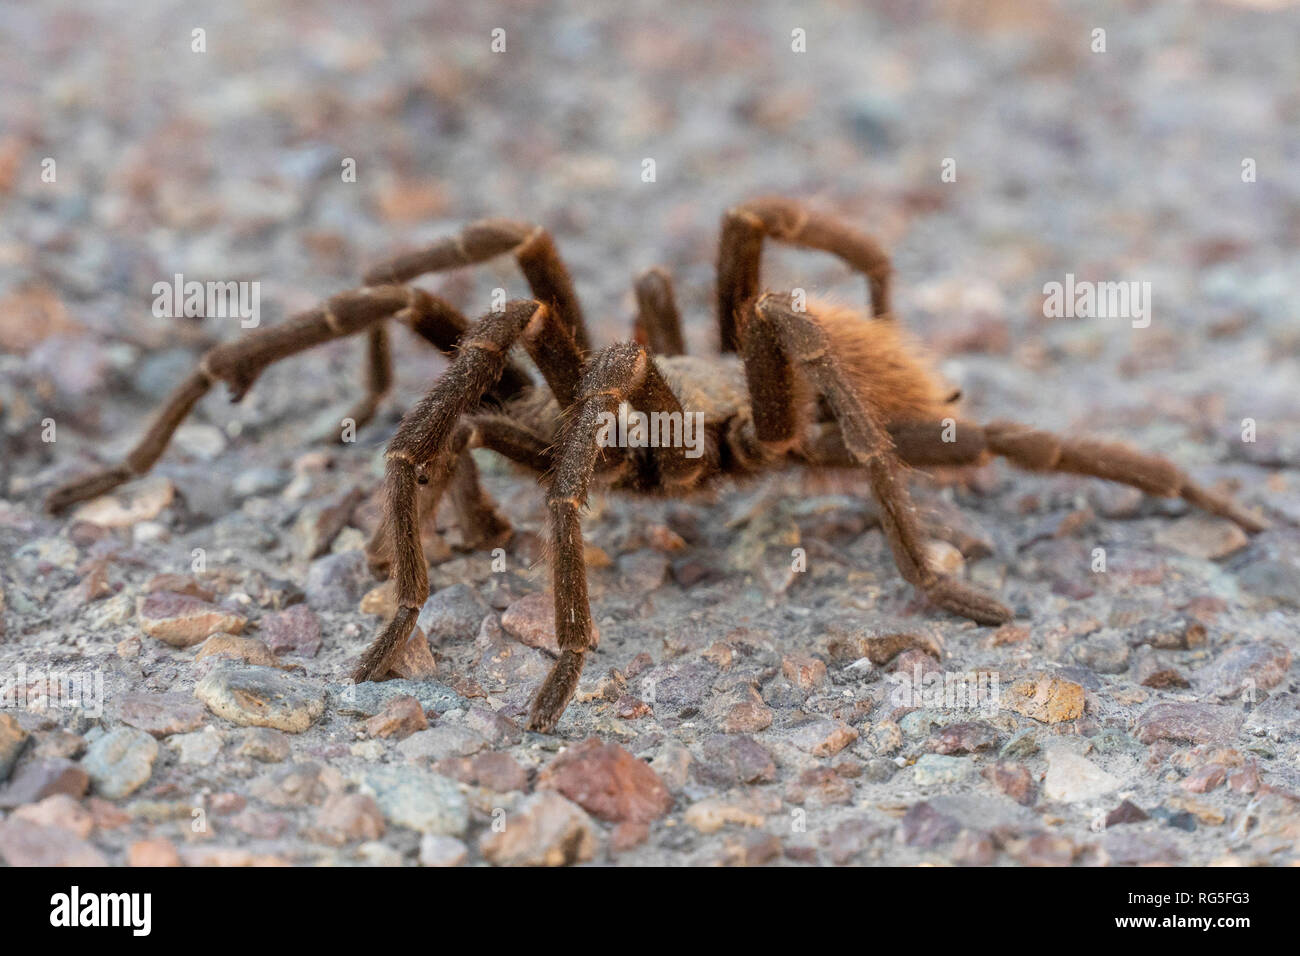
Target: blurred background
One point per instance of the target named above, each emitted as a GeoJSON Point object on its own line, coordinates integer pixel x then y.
{"type": "Point", "coordinates": [226, 164]}
{"type": "Point", "coordinates": [1168, 157]}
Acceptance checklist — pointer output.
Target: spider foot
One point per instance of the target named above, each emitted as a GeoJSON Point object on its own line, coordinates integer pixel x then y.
{"type": "Point", "coordinates": [87, 486]}
{"type": "Point", "coordinates": [360, 415]}
{"type": "Point", "coordinates": [554, 694]}
{"type": "Point", "coordinates": [375, 661]}
{"type": "Point", "coordinates": [951, 595]}
{"type": "Point", "coordinates": [1225, 507]}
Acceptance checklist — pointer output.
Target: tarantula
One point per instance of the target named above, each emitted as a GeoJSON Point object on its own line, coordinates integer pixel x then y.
{"type": "Point", "coordinates": [812, 382]}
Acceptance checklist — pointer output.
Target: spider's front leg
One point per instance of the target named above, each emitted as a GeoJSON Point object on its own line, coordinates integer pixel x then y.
{"type": "Point", "coordinates": [432, 440]}
{"type": "Point", "coordinates": [440, 324]}
{"type": "Point", "coordinates": [620, 373]}
{"type": "Point", "coordinates": [780, 344]}
{"type": "Point", "coordinates": [238, 364]}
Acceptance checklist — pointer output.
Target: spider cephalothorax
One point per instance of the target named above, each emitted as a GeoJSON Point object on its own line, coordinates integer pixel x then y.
{"type": "Point", "coordinates": [809, 382]}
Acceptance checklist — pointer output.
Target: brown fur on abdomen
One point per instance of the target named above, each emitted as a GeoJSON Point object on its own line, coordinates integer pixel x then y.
{"type": "Point", "coordinates": [886, 364]}
{"type": "Point", "coordinates": [889, 367]}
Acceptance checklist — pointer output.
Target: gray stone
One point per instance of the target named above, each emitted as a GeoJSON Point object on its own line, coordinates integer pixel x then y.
{"type": "Point", "coordinates": [1189, 723]}
{"type": "Point", "coordinates": [369, 698]}
{"type": "Point", "coordinates": [1111, 741]}
{"type": "Point", "coordinates": [418, 799]}
{"type": "Point", "coordinates": [258, 481]}
{"type": "Point", "coordinates": [265, 744]}
{"type": "Point", "coordinates": [1168, 633]}
{"type": "Point", "coordinates": [24, 843]}
{"type": "Point", "coordinates": [1277, 717]}
{"type": "Point", "coordinates": [963, 737]}
{"type": "Point", "coordinates": [728, 760]}
{"type": "Point", "coordinates": [938, 770]}
{"type": "Point", "coordinates": [980, 812]}
{"type": "Point", "coordinates": [924, 826]}
{"type": "Point", "coordinates": [39, 779]}
{"type": "Point", "coordinates": [918, 723]}
{"type": "Point", "coordinates": [198, 749]}
{"type": "Point", "coordinates": [452, 613]}
{"type": "Point", "coordinates": [1129, 846]}
{"type": "Point", "coordinates": [120, 762]}
{"type": "Point", "coordinates": [345, 818]}
{"type": "Point", "coordinates": [337, 582]}
{"type": "Point", "coordinates": [161, 714]}
{"type": "Point", "coordinates": [1072, 778]}
{"type": "Point", "coordinates": [823, 737]}
{"type": "Point", "coordinates": [642, 570]}
{"type": "Point", "coordinates": [1202, 536]}
{"type": "Point", "coordinates": [436, 850]}
{"type": "Point", "coordinates": [1245, 670]}
{"type": "Point", "coordinates": [261, 697]}
{"type": "Point", "coordinates": [295, 630]}
{"type": "Point", "coordinates": [879, 770]}
{"type": "Point", "coordinates": [1106, 653]}
{"type": "Point", "coordinates": [1023, 744]}
{"type": "Point", "coordinates": [1270, 581]}
{"type": "Point", "coordinates": [495, 727]}
{"type": "Point", "coordinates": [679, 683]}
{"type": "Point", "coordinates": [320, 521]}
{"type": "Point", "coordinates": [297, 785]}
{"type": "Point", "coordinates": [440, 742]}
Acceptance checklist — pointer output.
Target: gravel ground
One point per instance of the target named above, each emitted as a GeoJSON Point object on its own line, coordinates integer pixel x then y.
{"type": "Point", "coordinates": [737, 711]}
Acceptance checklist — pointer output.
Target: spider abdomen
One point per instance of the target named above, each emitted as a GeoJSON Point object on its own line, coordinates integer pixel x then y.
{"type": "Point", "coordinates": [886, 366]}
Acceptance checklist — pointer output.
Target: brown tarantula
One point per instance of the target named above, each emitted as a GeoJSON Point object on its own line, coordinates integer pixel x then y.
{"type": "Point", "coordinates": [820, 384]}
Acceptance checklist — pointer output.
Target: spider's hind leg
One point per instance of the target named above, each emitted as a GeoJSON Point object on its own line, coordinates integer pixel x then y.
{"type": "Point", "coordinates": [658, 321]}
{"type": "Point", "coordinates": [925, 444]}
{"type": "Point", "coordinates": [1036, 450]}
{"type": "Point", "coordinates": [781, 344]}
{"type": "Point", "coordinates": [482, 526]}
{"type": "Point", "coordinates": [379, 378]}
{"type": "Point", "coordinates": [740, 253]}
